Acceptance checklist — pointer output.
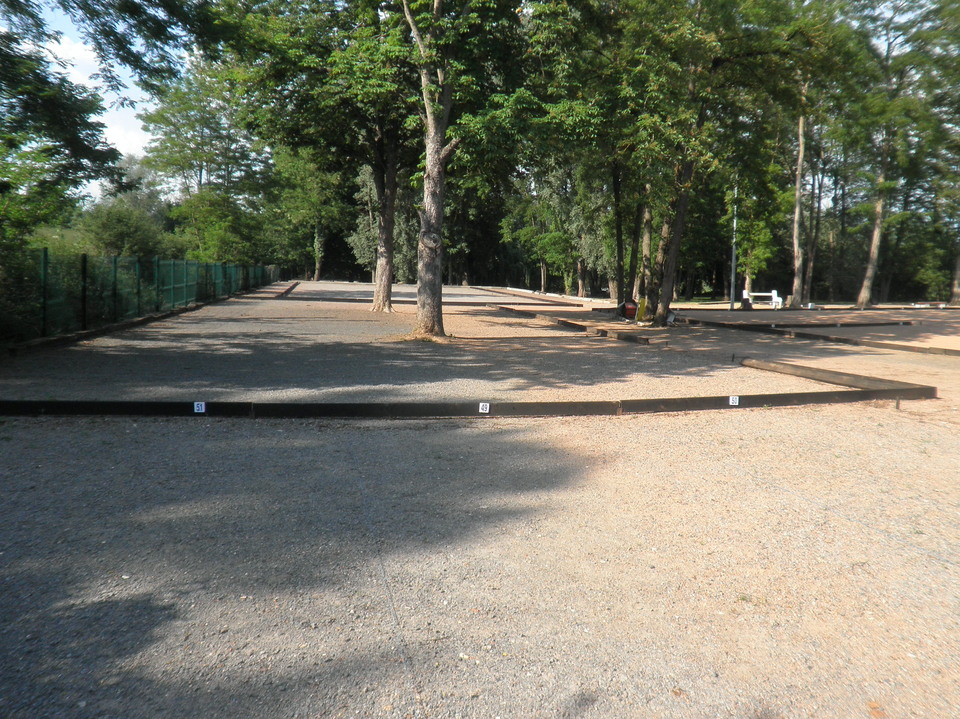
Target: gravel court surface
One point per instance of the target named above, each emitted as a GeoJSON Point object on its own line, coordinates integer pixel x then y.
{"type": "Point", "coordinates": [766, 563]}
{"type": "Point", "coordinates": [751, 564]}
{"type": "Point", "coordinates": [307, 348]}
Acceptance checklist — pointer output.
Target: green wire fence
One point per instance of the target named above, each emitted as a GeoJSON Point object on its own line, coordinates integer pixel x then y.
{"type": "Point", "coordinates": [71, 293]}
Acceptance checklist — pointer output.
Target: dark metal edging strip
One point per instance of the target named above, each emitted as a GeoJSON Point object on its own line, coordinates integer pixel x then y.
{"type": "Point", "coordinates": [459, 410]}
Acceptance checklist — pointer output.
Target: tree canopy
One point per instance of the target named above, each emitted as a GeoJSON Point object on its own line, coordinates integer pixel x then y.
{"type": "Point", "coordinates": [569, 145]}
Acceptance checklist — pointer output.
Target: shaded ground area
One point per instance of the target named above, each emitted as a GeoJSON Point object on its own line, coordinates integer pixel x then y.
{"type": "Point", "coordinates": [307, 348]}
{"type": "Point", "coordinates": [753, 564]}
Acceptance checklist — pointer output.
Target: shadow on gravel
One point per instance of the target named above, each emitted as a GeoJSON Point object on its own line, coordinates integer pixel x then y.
{"type": "Point", "coordinates": [228, 361]}
{"type": "Point", "coordinates": [233, 569]}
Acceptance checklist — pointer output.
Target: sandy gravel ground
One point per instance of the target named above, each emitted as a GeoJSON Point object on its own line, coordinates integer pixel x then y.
{"type": "Point", "coordinates": [753, 564]}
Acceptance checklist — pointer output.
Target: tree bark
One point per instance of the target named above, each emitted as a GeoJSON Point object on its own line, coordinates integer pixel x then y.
{"type": "Point", "coordinates": [656, 279]}
{"type": "Point", "coordinates": [436, 93]}
{"type": "Point", "coordinates": [385, 181]}
{"type": "Point", "coordinates": [866, 289]}
{"type": "Point", "coordinates": [430, 247]}
{"type": "Point", "coordinates": [618, 229]}
{"type": "Point", "coordinates": [796, 299]}
{"type": "Point", "coordinates": [319, 243]}
{"type": "Point", "coordinates": [685, 175]}
{"type": "Point", "coordinates": [632, 276]}
{"type": "Point", "coordinates": [646, 244]}
{"type": "Point", "coordinates": [543, 276]}
{"type": "Point", "coordinates": [581, 278]}
{"type": "Point", "coordinates": [813, 237]}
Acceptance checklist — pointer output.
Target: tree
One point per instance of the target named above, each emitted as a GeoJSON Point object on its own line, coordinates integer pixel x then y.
{"type": "Point", "coordinates": [336, 78]}
{"type": "Point", "coordinates": [465, 54]}
{"type": "Point", "coordinates": [47, 128]}
{"type": "Point", "coordinates": [306, 207]}
{"type": "Point", "coordinates": [890, 113]}
{"type": "Point", "coordinates": [215, 227]}
{"type": "Point", "coordinates": [37, 103]}
{"type": "Point", "coordinates": [199, 139]}
{"type": "Point", "coordinates": [117, 226]}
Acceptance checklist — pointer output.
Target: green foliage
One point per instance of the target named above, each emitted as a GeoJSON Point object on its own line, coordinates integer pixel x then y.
{"type": "Point", "coordinates": [215, 227]}
{"type": "Point", "coordinates": [119, 227]}
{"type": "Point", "coordinates": [200, 139]}
{"type": "Point", "coordinates": [305, 205]}
{"type": "Point", "coordinates": [30, 194]}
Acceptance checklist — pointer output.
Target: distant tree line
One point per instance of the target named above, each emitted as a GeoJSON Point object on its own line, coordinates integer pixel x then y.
{"type": "Point", "coordinates": [566, 145]}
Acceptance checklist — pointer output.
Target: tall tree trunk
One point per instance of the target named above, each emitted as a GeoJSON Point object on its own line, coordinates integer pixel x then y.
{"type": "Point", "coordinates": [613, 289]}
{"type": "Point", "coordinates": [581, 278]}
{"type": "Point", "coordinates": [319, 245]}
{"type": "Point", "coordinates": [813, 237]}
{"type": "Point", "coordinates": [430, 247]}
{"type": "Point", "coordinates": [618, 228]}
{"type": "Point", "coordinates": [436, 94]}
{"type": "Point", "coordinates": [543, 276]}
{"type": "Point", "coordinates": [385, 181]}
{"type": "Point", "coordinates": [656, 280]}
{"type": "Point", "coordinates": [796, 299]}
{"type": "Point", "coordinates": [682, 205]}
{"type": "Point", "coordinates": [646, 272]}
{"type": "Point", "coordinates": [635, 251]}
{"type": "Point", "coordinates": [866, 289]}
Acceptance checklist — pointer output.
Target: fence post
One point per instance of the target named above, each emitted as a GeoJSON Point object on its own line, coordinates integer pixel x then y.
{"type": "Point", "coordinates": [44, 272]}
{"type": "Point", "coordinates": [83, 291]}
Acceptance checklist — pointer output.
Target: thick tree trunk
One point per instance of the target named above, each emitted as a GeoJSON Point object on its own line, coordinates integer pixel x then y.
{"type": "Point", "coordinates": [635, 234]}
{"type": "Point", "coordinates": [319, 244]}
{"type": "Point", "coordinates": [385, 180]}
{"type": "Point", "coordinates": [866, 289]}
{"type": "Point", "coordinates": [613, 289]}
{"type": "Point", "coordinates": [796, 299]}
{"type": "Point", "coordinates": [543, 276]}
{"type": "Point", "coordinates": [430, 248]}
{"type": "Point", "coordinates": [581, 277]}
{"type": "Point", "coordinates": [618, 230]}
{"type": "Point", "coordinates": [672, 253]}
{"type": "Point", "coordinates": [436, 94]}
{"type": "Point", "coordinates": [656, 279]}
{"type": "Point", "coordinates": [813, 238]}
{"type": "Point", "coordinates": [646, 245]}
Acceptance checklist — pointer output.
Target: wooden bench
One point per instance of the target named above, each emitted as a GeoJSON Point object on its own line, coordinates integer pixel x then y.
{"type": "Point", "coordinates": [775, 300]}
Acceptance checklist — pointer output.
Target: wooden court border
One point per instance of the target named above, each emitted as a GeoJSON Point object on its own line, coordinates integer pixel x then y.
{"type": "Point", "coordinates": [859, 388]}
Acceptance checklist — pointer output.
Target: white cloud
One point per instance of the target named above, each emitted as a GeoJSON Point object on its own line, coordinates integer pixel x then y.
{"type": "Point", "coordinates": [122, 128]}
{"type": "Point", "coordinates": [80, 59]}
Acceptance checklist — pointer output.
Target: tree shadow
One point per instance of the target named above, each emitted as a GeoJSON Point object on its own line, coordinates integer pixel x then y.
{"type": "Point", "coordinates": [176, 568]}
{"type": "Point", "coordinates": [360, 357]}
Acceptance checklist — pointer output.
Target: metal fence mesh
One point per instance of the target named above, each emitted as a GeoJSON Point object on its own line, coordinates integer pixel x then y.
{"type": "Point", "coordinates": [73, 293]}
